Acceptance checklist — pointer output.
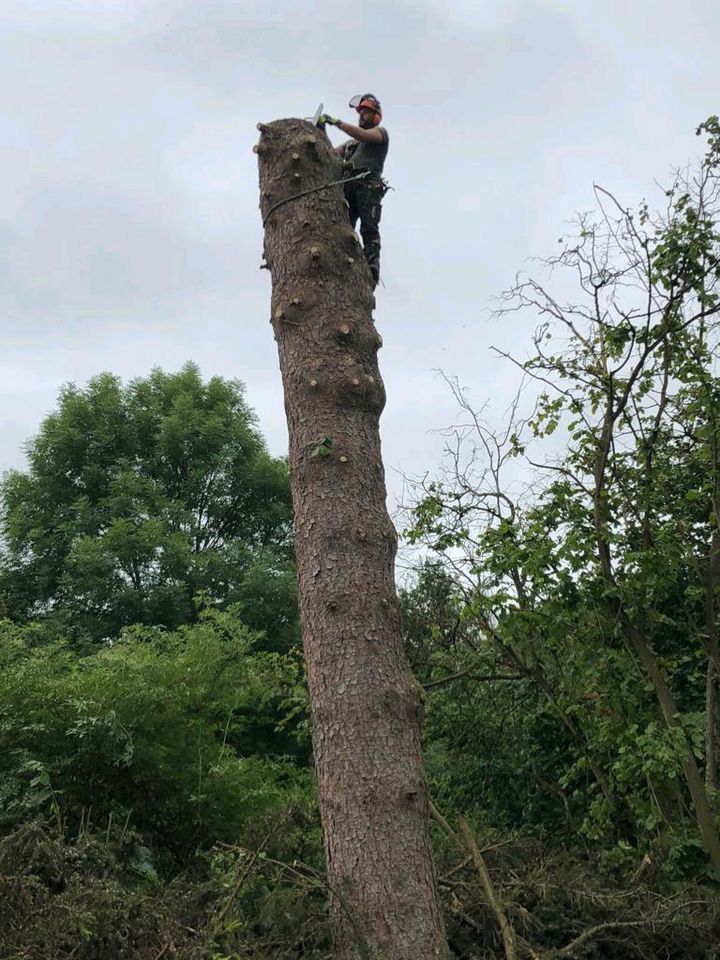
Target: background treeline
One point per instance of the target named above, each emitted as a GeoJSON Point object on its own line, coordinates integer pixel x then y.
{"type": "Point", "coordinates": [156, 795]}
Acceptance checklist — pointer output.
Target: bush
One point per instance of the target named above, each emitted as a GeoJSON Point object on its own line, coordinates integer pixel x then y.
{"type": "Point", "coordinates": [155, 730]}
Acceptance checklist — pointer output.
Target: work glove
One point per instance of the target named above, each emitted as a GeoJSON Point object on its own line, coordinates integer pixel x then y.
{"type": "Point", "coordinates": [326, 118]}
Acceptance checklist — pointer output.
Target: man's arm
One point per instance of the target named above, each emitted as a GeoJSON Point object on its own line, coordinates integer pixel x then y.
{"type": "Point", "coordinates": [373, 135]}
{"type": "Point", "coordinates": [341, 149]}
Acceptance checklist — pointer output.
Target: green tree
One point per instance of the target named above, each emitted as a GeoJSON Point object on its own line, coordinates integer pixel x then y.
{"type": "Point", "coordinates": [601, 580]}
{"type": "Point", "coordinates": [493, 750]}
{"type": "Point", "coordinates": [157, 729]}
{"type": "Point", "coordinates": [138, 498]}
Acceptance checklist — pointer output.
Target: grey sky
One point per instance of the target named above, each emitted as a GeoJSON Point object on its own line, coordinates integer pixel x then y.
{"type": "Point", "coordinates": [129, 229]}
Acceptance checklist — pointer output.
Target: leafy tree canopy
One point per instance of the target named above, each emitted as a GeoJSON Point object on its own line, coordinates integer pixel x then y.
{"type": "Point", "coordinates": [138, 498]}
{"type": "Point", "coordinates": [586, 540]}
{"type": "Point", "coordinates": [172, 732]}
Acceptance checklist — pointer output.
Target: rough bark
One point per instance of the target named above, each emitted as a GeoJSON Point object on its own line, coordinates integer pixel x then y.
{"type": "Point", "coordinates": [703, 810]}
{"type": "Point", "coordinates": [366, 707]}
{"type": "Point", "coordinates": [711, 728]}
{"type": "Point", "coordinates": [508, 934]}
{"type": "Point", "coordinates": [712, 587]}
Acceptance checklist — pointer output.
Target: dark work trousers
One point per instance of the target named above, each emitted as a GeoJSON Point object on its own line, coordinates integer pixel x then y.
{"type": "Point", "coordinates": [365, 204]}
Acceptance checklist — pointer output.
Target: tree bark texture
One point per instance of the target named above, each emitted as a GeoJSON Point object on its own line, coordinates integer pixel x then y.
{"type": "Point", "coordinates": [366, 707]}
{"type": "Point", "coordinates": [711, 728]}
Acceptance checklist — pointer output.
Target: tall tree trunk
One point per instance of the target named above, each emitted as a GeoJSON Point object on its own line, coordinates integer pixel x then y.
{"type": "Point", "coordinates": [713, 644]}
{"type": "Point", "coordinates": [703, 810]}
{"type": "Point", "coordinates": [704, 814]}
{"type": "Point", "coordinates": [711, 728]}
{"type": "Point", "coordinates": [366, 707]}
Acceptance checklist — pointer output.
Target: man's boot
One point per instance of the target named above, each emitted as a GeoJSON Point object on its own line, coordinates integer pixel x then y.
{"type": "Point", "coordinates": [372, 255]}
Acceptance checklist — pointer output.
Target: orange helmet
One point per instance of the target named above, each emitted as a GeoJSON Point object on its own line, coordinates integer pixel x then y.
{"type": "Point", "coordinates": [367, 101]}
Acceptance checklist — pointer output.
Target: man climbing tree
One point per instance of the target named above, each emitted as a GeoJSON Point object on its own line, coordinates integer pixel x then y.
{"type": "Point", "coordinates": [366, 707]}
{"type": "Point", "coordinates": [365, 153]}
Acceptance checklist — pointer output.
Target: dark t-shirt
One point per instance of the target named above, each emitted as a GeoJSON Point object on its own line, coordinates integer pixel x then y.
{"type": "Point", "coordinates": [362, 155]}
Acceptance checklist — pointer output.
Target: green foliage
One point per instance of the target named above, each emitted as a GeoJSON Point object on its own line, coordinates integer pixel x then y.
{"type": "Point", "coordinates": [155, 786]}
{"type": "Point", "coordinates": [139, 498]}
{"type": "Point", "coordinates": [597, 583]}
{"type": "Point", "coordinates": [88, 898]}
{"type": "Point", "coordinates": [172, 733]}
{"type": "Point", "coordinates": [61, 899]}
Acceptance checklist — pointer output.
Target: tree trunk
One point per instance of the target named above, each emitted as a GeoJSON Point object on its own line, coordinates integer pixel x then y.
{"type": "Point", "coordinates": [711, 728]}
{"type": "Point", "coordinates": [366, 707]}
{"type": "Point", "coordinates": [704, 814]}
{"type": "Point", "coordinates": [703, 810]}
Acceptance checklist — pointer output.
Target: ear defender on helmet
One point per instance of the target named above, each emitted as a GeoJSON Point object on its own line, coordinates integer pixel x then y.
{"type": "Point", "coordinates": [367, 101]}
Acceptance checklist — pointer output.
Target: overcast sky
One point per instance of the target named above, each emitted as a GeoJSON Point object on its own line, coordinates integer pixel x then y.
{"type": "Point", "coordinates": [129, 228]}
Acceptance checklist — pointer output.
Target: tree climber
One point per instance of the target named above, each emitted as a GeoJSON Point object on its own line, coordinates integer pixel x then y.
{"type": "Point", "coordinates": [365, 152]}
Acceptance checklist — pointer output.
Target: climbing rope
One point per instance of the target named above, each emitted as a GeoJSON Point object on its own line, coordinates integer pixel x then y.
{"type": "Point", "coordinates": [305, 193]}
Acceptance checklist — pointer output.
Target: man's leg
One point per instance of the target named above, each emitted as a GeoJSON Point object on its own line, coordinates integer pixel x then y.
{"type": "Point", "coordinates": [352, 202]}
{"type": "Point", "coordinates": [370, 211]}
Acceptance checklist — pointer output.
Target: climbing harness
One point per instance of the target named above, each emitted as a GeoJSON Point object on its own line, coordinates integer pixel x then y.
{"type": "Point", "coordinates": [377, 183]}
{"type": "Point", "coordinates": [305, 193]}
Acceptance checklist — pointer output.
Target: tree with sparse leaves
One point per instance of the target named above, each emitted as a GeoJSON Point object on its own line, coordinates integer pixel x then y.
{"type": "Point", "coordinates": [600, 582]}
